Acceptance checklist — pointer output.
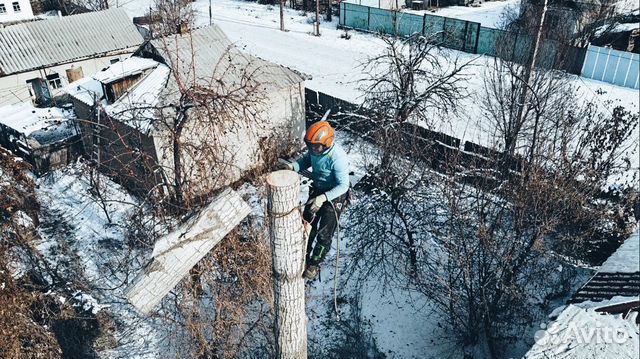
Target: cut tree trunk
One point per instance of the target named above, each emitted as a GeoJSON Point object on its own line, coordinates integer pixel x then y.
{"type": "Point", "coordinates": [177, 252]}
{"type": "Point", "coordinates": [288, 248]}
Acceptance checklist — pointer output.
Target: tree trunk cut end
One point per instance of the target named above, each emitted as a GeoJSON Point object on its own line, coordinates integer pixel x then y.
{"type": "Point", "coordinates": [283, 178]}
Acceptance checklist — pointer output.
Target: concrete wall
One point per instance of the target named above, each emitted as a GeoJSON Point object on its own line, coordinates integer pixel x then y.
{"type": "Point", "coordinates": [15, 89]}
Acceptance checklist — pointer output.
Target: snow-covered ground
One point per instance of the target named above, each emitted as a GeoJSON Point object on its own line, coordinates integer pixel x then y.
{"type": "Point", "coordinates": [334, 62]}
{"type": "Point", "coordinates": [402, 326]}
{"type": "Point", "coordinates": [79, 240]}
{"type": "Point", "coordinates": [488, 14]}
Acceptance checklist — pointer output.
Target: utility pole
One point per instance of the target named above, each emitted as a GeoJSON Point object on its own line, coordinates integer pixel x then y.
{"type": "Point", "coordinates": [524, 97]}
{"type": "Point", "coordinates": [288, 257]}
{"type": "Point", "coordinates": [281, 15]}
{"type": "Point", "coordinates": [210, 16]}
{"type": "Point", "coordinates": [317, 23]}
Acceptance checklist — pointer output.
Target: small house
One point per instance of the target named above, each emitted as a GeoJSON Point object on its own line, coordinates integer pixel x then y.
{"type": "Point", "coordinates": [45, 137]}
{"type": "Point", "coordinates": [15, 10]}
{"type": "Point", "coordinates": [122, 110]}
{"type": "Point", "coordinates": [39, 58]}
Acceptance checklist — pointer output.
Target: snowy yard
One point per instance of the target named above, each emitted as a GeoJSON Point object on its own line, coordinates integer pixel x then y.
{"type": "Point", "coordinates": [86, 237]}
{"type": "Point", "coordinates": [488, 14]}
{"type": "Point", "coordinates": [397, 321]}
{"type": "Point", "coordinates": [334, 63]}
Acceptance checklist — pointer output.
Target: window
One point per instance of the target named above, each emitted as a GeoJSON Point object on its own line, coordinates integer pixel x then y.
{"type": "Point", "coordinates": [3, 9]}
{"type": "Point", "coordinates": [54, 81]}
{"type": "Point", "coordinates": [16, 6]}
{"type": "Point", "coordinates": [113, 61]}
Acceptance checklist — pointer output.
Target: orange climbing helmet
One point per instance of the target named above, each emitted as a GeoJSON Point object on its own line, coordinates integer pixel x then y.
{"type": "Point", "coordinates": [320, 133]}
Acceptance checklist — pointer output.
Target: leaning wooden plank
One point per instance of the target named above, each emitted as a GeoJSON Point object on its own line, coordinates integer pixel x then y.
{"type": "Point", "coordinates": [177, 252]}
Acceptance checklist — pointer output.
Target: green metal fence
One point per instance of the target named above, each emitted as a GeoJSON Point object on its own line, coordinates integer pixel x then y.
{"type": "Point", "coordinates": [452, 33]}
{"type": "Point", "coordinates": [462, 35]}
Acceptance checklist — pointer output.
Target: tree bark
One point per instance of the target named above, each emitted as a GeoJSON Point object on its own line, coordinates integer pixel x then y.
{"type": "Point", "coordinates": [288, 248]}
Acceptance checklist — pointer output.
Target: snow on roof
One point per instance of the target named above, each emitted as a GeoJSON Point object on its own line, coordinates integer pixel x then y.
{"type": "Point", "coordinates": [26, 119]}
{"type": "Point", "coordinates": [86, 90]}
{"type": "Point", "coordinates": [136, 105]}
{"type": "Point", "coordinates": [198, 56]}
{"type": "Point", "coordinates": [121, 69]}
{"type": "Point", "coordinates": [581, 332]}
{"type": "Point", "coordinates": [626, 259]}
{"type": "Point", "coordinates": [37, 44]}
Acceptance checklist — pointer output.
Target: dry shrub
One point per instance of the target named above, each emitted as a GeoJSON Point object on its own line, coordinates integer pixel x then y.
{"type": "Point", "coordinates": [21, 337]}
{"type": "Point", "coordinates": [22, 309]}
{"type": "Point", "coordinates": [226, 307]}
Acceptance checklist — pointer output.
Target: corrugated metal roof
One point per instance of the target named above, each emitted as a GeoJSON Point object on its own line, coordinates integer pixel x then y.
{"type": "Point", "coordinates": [38, 44]}
{"type": "Point", "coordinates": [619, 275]}
{"type": "Point", "coordinates": [206, 53]}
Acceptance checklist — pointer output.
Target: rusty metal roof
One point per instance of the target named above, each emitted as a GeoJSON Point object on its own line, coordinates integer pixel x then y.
{"type": "Point", "coordinates": [32, 45]}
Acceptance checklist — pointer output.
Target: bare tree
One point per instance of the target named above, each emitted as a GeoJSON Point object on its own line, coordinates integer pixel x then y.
{"type": "Point", "coordinates": [410, 81]}
{"type": "Point", "coordinates": [505, 83]}
{"type": "Point", "coordinates": [501, 247]}
{"type": "Point", "coordinates": [390, 223]}
{"type": "Point", "coordinates": [175, 17]}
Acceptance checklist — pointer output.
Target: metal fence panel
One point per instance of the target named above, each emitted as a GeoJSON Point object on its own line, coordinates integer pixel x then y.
{"type": "Point", "coordinates": [454, 33]}
{"type": "Point", "coordinates": [381, 20]}
{"type": "Point", "coordinates": [617, 67]}
{"type": "Point", "coordinates": [471, 38]}
{"type": "Point", "coordinates": [433, 25]}
{"type": "Point", "coordinates": [409, 24]}
{"type": "Point", "coordinates": [488, 40]}
{"type": "Point", "coordinates": [354, 16]}
{"type": "Point", "coordinates": [547, 54]}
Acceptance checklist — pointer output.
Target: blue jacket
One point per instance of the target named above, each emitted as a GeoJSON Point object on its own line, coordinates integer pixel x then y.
{"type": "Point", "coordinates": [330, 171]}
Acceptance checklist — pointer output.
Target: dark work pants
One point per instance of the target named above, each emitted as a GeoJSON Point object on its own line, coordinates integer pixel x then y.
{"type": "Point", "coordinates": [323, 225]}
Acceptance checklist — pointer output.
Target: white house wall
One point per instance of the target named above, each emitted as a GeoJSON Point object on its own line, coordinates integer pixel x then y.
{"type": "Point", "coordinates": [15, 89]}
{"type": "Point", "coordinates": [10, 15]}
{"type": "Point", "coordinates": [283, 110]}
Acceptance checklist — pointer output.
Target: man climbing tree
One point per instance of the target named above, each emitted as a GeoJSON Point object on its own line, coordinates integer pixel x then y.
{"type": "Point", "coordinates": [329, 193]}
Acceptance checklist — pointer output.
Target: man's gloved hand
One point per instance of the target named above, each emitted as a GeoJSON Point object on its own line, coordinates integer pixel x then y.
{"type": "Point", "coordinates": [284, 164]}
{"type": "Point", "coordinates": [317, 202]}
